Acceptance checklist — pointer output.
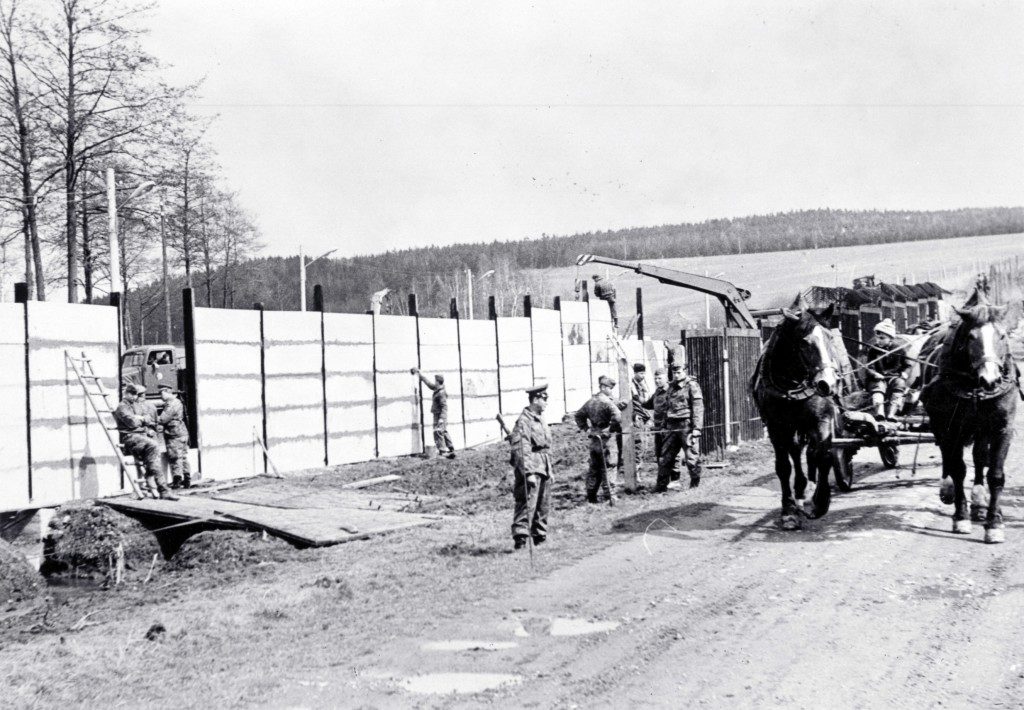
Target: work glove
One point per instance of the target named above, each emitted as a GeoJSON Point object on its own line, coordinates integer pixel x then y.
{"type": "Point", "coordinates": [414, 370]}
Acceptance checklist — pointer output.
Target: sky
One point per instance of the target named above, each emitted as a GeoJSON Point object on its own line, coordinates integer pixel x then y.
{"type": "Point", "coordinates": [377, 125]}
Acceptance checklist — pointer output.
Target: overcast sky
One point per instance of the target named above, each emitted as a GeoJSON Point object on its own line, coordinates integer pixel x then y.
{"type": "Point", "coordinates": [376, 125]}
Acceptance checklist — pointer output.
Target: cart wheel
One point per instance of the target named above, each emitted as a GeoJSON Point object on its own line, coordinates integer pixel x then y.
{"type": "Point", "coordinates": [842, 462]}
{"type": "Point", "coordinates": [890, 454]}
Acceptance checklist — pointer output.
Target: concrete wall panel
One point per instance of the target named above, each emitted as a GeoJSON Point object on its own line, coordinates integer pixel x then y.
{"type": "Point", "coordinates": [295, 415]}
{"type": "Point", "coordinates": [398, 408]}
{"type": "Point", "coordinates": [348, 349]}
{"type": "Point", "coordinates": [13, 428]}
{"type": "Point", "coordinates": [229, 392]}
{"type": "Point", "coordinates": [515, 364]}
{"type": "Point", "coordinates": [546, 333]}
{"type": "Point", "coordinates": [576, 353]}
{"type": "Point", "coordinates": [480, 380]}
{"type": "Point", "coordinates": [439, 354]}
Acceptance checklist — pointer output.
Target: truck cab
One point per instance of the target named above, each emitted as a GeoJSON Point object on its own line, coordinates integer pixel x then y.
{"type": "Point", "coordinates": [152, 366]}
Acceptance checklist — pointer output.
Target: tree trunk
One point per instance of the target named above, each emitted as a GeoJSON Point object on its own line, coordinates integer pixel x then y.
{"type": "Point", "coordinates": [70, 220]}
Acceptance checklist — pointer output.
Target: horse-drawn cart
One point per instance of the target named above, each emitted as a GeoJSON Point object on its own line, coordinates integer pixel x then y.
{"type": "Point", "coordinates": [856, 430]}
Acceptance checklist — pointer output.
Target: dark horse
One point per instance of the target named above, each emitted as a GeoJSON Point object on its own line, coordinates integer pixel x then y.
{"type": "Point", "coordinates": [793, 388]}
{"type": "Point", "coordinates": [970, 394]}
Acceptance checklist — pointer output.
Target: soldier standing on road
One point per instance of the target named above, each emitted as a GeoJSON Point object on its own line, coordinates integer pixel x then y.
{"type": "Point", "coordinates": [684, 420]}
{"type": "Point", "coordinates": [531, 442]}
{"type": "Point", "coordinates": [600, 418]}
{"type": "Point", "coordinates": [606, 292]}
{"type": "Point", "coordinates": [175, 438]}
{"type": "Point", "coordinates": [439, 408]}
{"type": "Point", "coordinates": [658, 403]}
{"type": "Point", "coordinates": [137, 425]}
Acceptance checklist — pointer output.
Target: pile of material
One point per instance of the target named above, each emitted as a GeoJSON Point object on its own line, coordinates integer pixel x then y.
{"type": "Point", "coordinates": [87, 540]}
{"type": "Point", "coordinates": [18, 581]}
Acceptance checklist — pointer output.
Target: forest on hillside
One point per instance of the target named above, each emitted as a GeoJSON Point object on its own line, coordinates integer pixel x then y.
{"type": "Point", "coordinates": [437, 274]}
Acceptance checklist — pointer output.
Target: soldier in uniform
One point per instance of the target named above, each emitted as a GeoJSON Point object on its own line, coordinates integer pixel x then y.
{"type": "Point", "coordinates": [172, 419]}
{"type": "Point", "coordinates": [641, 417]}
{"type": "Point", "coordinates": [439, 408]}
{"type": "Point", "coordinates": [606, 292]}
{"type": "Point", "coordinates": [658, 404]}
{"type": "Point", "coordinates": [137, 424]}
{"type": "Point", "coordinates": [889, 371]}
{"type": "Point", "coordinates": [684, 419]}
{"type": "Point", "coordinates": [530, 441]}
{"type": "Point", "coordinates": [600, 418]}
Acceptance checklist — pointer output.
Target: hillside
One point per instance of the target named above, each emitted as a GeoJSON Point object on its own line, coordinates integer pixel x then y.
{"type": "Point", "coordinates": [438, 274]}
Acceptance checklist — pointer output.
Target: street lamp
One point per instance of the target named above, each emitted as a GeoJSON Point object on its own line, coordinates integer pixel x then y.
{"type": "Point", "coordinates": [302, 274]}
{"type": "Point", "coordinates": [469, 287]}
{"type": "Point", "coordinates": [112, 207]}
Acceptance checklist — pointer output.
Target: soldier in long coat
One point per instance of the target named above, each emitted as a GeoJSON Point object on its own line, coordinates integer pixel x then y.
{"type": "Point", "coordinates": [530, 441]}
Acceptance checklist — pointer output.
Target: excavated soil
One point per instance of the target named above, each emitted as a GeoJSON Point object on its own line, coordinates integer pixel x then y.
{"type": "Point", "coordinates": [18, 581]}
{"type": "Point", "coordinates": [87, 540]}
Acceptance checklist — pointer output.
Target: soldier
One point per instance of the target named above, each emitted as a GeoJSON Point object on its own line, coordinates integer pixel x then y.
{"type": "Point", "coordinates": [889, 370]}
{"type": "Point", "coordinates": [531, 441]}
{"type": "Point", "coordinates": [439, 408]}
{"type": "Point", "coordinates": [175, 438]}
{"type": "Point", "coordinates": [606, 292]}
{"type": "Point", "coordinates": [658, 403]}
{"type": "Point", "coordinates": [137, 426]}
{"type": "Point", "coordinates": [641, 417]}
{"type": "Point", "coordinates": [684, 419]}
{"type": "Point", "coordinates": [600, 418]}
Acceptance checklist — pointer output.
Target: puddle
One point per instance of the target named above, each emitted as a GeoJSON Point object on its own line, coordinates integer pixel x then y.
{"type": "Point", "coordinates": [468, 645]}
{"type": "Point", "coordinates": [580, 627]}
{"type": "Point", "coordinates": [460, 683]}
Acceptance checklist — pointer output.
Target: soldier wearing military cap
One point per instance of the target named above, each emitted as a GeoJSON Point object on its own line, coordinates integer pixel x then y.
{"type": "Point", "coordinates": [439, 409]}
{"type": "Point", "coordinates": [600, 418]}
{"type": "Point", "coordinates": [658, 404]}
{"type": "Point", "coordinates": [530, 442]}
{"type": "Point", "coordinates": [136, 422]}
{"type": "Point", "coordinates": [641, 417]}
{"type": "Point", "coordinates": [172, 418]}
{"type": "Point", "coordinates": [684, 420]}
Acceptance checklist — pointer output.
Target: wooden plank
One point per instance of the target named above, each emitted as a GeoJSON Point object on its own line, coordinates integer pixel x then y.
{"type": "Point", "coordinates": [372, 481]}
{"type": "Point", "coordinates": [318, 527]}
{"type": "Point", "coordinates": [296, 497]}
{"type": "Point", "coordinates": [195, 508]}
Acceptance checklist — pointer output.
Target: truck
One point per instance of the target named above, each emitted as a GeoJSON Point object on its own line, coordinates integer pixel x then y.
{"type": "Point", "coordinates": [152, 366]}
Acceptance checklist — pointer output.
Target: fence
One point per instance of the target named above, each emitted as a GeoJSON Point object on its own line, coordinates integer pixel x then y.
{"type": "Point", "coordinates": [319, 388]}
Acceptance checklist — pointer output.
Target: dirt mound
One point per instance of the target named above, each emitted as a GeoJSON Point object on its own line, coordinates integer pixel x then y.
{"type": "Point", "coordinates": [88, 540]}
{"type": "Point", "coordinates": [229, 550]}
{"type": "Point", "coordinates": [18, 581]}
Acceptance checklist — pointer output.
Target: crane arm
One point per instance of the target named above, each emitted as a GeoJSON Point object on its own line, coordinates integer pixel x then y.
{"type": "Point", "coordinates": [733, 299]}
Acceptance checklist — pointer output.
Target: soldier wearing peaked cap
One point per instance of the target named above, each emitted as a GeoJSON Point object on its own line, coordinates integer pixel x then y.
{"type": "Point", "coordinates": [530, 442]}
{"type": "Point", "coordinates": [641, 417]}
{"type": "Point", "coordinates": [172, 418]}
{"type": "Point", "coordinates": [658, 404]}
{"type": "Point", "coordinates": [599, 418]}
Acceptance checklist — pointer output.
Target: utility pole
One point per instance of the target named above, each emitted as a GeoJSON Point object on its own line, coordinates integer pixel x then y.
{"type": "Point", "coordinates": [469, 293]}
{"type": "Point", "coordinates": [302, 280]}
{"type": "Point", "coordinates": [115, 252]}
{"type": "Point", "coordinates": [163, 256]}
{"type": "Point", "coordinates": [707, 307]}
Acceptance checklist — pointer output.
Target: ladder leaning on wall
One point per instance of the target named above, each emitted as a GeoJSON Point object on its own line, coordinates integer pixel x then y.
{"type": "Point", "coordinates": [99, 400]}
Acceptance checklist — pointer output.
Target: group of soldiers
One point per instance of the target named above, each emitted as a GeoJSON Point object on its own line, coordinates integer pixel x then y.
{"type": "Point", "coordinates": [676, 409]}
{"type": "Point", "coordinates": [142, 427]}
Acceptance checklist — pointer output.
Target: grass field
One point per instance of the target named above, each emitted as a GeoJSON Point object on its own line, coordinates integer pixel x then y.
{"type": "Point", "coordinates": [774, 278]}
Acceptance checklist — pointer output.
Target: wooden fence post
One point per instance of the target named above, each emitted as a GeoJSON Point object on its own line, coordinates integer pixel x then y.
{"type": "Point", "coordinates": [639, 313]}
{"type": "Point", "coordinates": [21, 296]}
{"type": "Point", "coordinates": [414, 311]}
{"type": "Point", "coordinates": [453, 312]}
{"type": "Point", "coordinates": [318, 305]}
{"type": "Point", "coordinates": [263, 384]}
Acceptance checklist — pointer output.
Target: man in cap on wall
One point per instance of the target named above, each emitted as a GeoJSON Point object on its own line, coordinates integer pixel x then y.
{"type": "Point", "coordinates": [137, 425]}
{"type": "Point", "coordinates": [684, 420]}
{"type": "Point", "coordinates": [172, 419]}
{"type": "Point", "coordinates": [439, 408]}
{"type": "Point", "coordinates": [530, 441]}
{"type": "Point", "coordinates": [888, 371]}
{"type": "Point", "coordinates": [606, 292]}
{"type": "Point", "coordinates": [600, 418]}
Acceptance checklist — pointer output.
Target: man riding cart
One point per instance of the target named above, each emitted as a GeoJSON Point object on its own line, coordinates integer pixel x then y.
{"type": "Point", "coordinates": [888, 371]}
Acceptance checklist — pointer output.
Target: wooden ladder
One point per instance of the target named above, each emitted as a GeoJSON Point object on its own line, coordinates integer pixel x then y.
{"type": "Point", "coordinates": [99, 400]}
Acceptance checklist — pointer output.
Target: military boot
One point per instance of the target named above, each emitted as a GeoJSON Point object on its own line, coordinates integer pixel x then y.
{"type": "Point", "coordinates": [161, 491]}
{"type": "Point", "coordinates": [895, 405]}
{"type": "Point", "coordinates": [878, 402]}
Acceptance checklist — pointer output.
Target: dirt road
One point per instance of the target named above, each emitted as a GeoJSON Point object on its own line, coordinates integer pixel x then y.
{"type": "Point", "coordinates": [876, 605]}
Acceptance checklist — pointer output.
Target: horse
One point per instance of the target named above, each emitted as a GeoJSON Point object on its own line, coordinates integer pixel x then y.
{"type": "Point", "coordinates": [793, 388]}
{"type": "Point", "coordinates": [970, 393]}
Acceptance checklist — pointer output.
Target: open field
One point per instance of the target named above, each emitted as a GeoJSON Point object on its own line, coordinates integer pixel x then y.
{"type": "Point", "coordinates": [774, 278]}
